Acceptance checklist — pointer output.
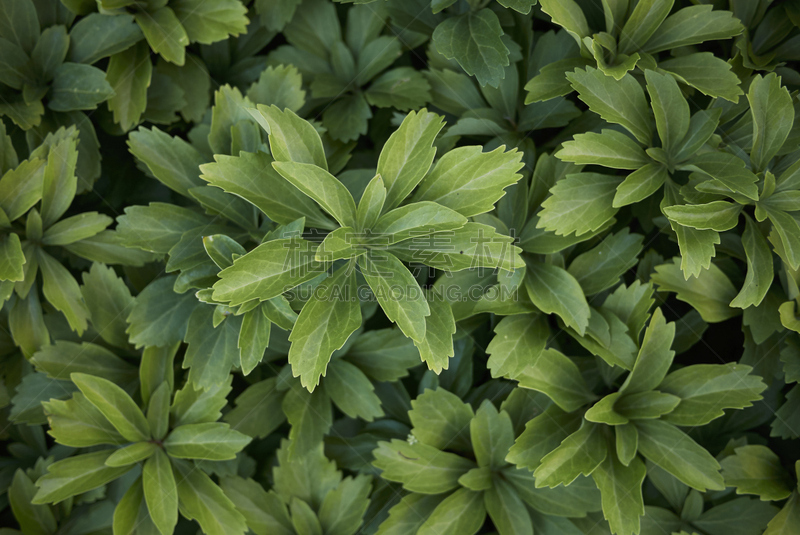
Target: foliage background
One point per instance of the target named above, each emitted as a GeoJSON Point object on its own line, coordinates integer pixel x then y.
{"type": "Point", "coordinates": [633, 166]}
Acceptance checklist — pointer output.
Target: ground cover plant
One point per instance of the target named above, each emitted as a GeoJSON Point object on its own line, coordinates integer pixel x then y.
{"type": "Point", "coordinates": [400, 267]}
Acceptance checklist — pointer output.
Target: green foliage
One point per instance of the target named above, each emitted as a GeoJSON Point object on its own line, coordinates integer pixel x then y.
{"type": "Point", "coordinates": [399, 267]}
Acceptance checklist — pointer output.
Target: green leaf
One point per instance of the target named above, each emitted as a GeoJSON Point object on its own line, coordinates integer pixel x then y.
{"type": "Point", "coordinates": [131, 514]}
{"type": "Point", "coordinates": [773, 115]}
{"type": "Point", "coordinates": [609, 149]}
{"type": "Point", "coordinates": [213, 350]}
{"type": "Point", "coordinates": [705, 72]}
{"type": "Point", "coordinates": [626, 438]}
{"type": "Point", "coordinates": [291, 139]}
{"type": "Point", "coordinates": [78, 87]}
{"type": "Point", "coordinates": [352, 392]}
{"type": "Point", "coordinates": [554, 291]}
{"type": "Point", "coordinates": [728, 169]}
{"type": "Point", "coordinates": [759, 268]}
{"type": "Point", "coordinates": [470, 181]}
{"type": "Point", "coordinates": [115, 404]}
{"type": "Point", "coordinates": [419, 467]}
{"type": "Point", "coordinates": [580, 453]}
{"type": "Point", "coordinates": [21, 188]}
{"type": "Point", "coordinates": [164, 33]}
{"type": "Point", "coordinates": [440, 419]}
{"type": "Point", "coordinates": [692, 25]}
{"type": "Point", "coordinates": [675, 452]}
{"type": "Point", "coordinates": [646, 405]}
{"type": "Point", "coordinates": [253, 339]}
{"type": "Point", "coordinates": [707, 389]}
{"type": "Point", "coordinates": [709, 293]}
{"type": "Point", "coordinates": [343, 508]}
{"type": "Point", "coordinates": [100, 35]}
{"type": "Point", "coordinates": [461, 512]}
{"type": "Point", "coordinates": [76, 475]}
{"type": "Point", "coordinates": [309, 414]}
{"type": "Point", "coordinates": [325, 323]}
{"type": "Point", "coordinates": [579, 203]}
{"type": "Point", "coordinates": [263, 511]}
{"type": "Point", "coordinates": [129, 75]}
{"type": "Point", "coordinates": [11, 258]}
{"type": "Point", "coordinates": [251, 177]}
{"type": "Point", "coordinates": [670, 109]}
{"type": "Point", "coordinates": [397, 292]}
{"type": "Point", "coordinates": [33, 519]}
{"type": "Point", "coordinates": [61, 290]}
{"type": "Point", "coordinates": [158, 410]}
{"type": "Point", "coordinates": [415, 220]}
{"type": "Point", "coordinates": [506, 509]}
{"type": "Point", "coordinates": [655, 356]}
{"type": "Point", "coordinates": [642, 23]}
{"type": "Point", "coordinates": [568, 15]}
{"type": "Point", "coordinates": [267, 271]}
{"type": "Point", "coordinates": [76, 228]}
{"type": "Point", "coordinates": [77, 423]}
{"type": "Point", "coordinates": [783, 523]}
{"type": "Point", "coordinates": [617, 101]}
{"type": "Point", "coordinates": [201, 499]}
{"type": "Point", "coordinates": [207, 23]}
{"type": "Point", "coordinates": [555, 375]}
{"type": "Point", "coordinates": [133, 453]}
{"type": "Point", "coordinates": [62, 358]}
{"type": "Point", "coordinates": [492, 435]}
{"type": "Point", "coordinates": [212, 441]}
{"type": "Point", "coordinates": [518, 340]}
{"type": "Point", "coordinates": [601, 267]}
{"type": "Point", "coordinates": [281, 86]}
{"type": "Point", "coordinates": [717, 215]}
{"type": "Point", "coordinates": [160, 492]}
{"type": "Point", "coordinates": [756, 470]}
{"type": "Point", "coordinates": [473, 40]}
{"type": "Point", "coordinates": [49, 52]}
{"type": "Point", "coordinates": [323, 187]}
{"type": "Point", "coordinates": [603, 412]}
{"type": "Point", "coordinates": [541, 436]}
{"type": "Point", "coordinates": [194, 405]}
{"type": "Point", "coordinates": [621, 489]}
{"type": "Point", "coordinates": [19, 22]}
{"type": "Point", "coordinates": [159, 316]}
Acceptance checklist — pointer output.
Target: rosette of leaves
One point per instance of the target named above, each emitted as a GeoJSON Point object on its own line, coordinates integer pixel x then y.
{"type": "Point", "coordinates": [351, 385]}
{"type": "Point", "coordinates": [36, 66]}
{"type": "Point", "coordinates": [347, 67]}
{"type": "Point", "coordinates": [165, 443]}
{"type": "Point", "coordinates": [497, 115]}
{"type": "Point", "coordinates": [36, 239]}
{"type": "Point", "coordinates": [634, 35]}
{"type": "Point", "coordinates": [771, 37]}
{"type": "Point", "coordinates": [377, 236]}
{"type": "Point", "coordinates": [453, 468]}
{"type": "Point", "coordinates": [309, 496]}
{"type": "Point", "coordinates": [170, 25]}
{"type": "Point", "coordinates": [469, 32]}
{"type": "Point", "coordinates": [754, 469]}
{"type": "Point", "coordinates": [591, 432]}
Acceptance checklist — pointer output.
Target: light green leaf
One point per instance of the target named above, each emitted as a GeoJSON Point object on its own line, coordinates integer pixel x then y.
{"type": "Point", "coordinates": [621, 489]}
{"type": "Point", "coordinates": [398, 293]}
{"type": "Point", "coordinates": [133, 453]}
{"type": "Point", "coordinates": [440, 419]}
{"type": "Point", "coordinates": [213, 441]}
{"type": "Point", "coordinates": [655, 356]}
{"type": "Point", "coordinates": [213, 349]}
{"type": "Point", "coordinates": [415, 220]}
{"type": "Point", "coordinates": [492, 435]}
{"type": "Point", "coordinates": [555, 375]}
{"type": "Point", "coordinates": [323, 187]}
{"type": "Point", "coordinates": [517, 342]}
{"type": "Point", "coordinates": [11, 258]}
{"type": "Point", "coordinates": [717, 215]}
{"type": "Point", "coordinates": [267, 271]}
{"type": "Point", "coordinates": [692, 25]}
{"type": "Point", "coordinates": [201, 499]}
{"type": "Point", "coordinates": [642, 23]}
{"type": "Point", "coordinates": [160, 492]}
{"type": "Point", "coordinates": [61, 290]}
{"type": "Point", "coordinates": [463, 512]}
{"type": "Point", "coordinates": [115, 404]}
{"type": "Point", "coordinates": [579, 203]}
{"type": "Point", "coordinates": [579, 454]}
{"type": "Point", "coordinates": [554, 291]}
{"type": "Point", "coordinates": [352, 392]}
{"type": "Point", "coordinates": [678, 454]}
{"type": "Point", "coordinates": [436, 348]}
{"type": "Point", "coordinates": [291, 139]}
{"type": "Point", "coordinates": [568, 15]}
{"type": "Point", "coordinates": [210, 22]}
{"type": "Point", "coordinates": [419, 467]}
{"type": "Point", "coordinates": [164, 33]}
{"type": "Point", "coordinates": [343, 508]}
{"type": "Point", "coordinates": [707, 389]}
{"type": "Point", "coordinates": [21, 187]}
{"type": "Point", "coordinates": [76, 475]}
{"type": "Point", "coordinates": [325, 323]}
{"type": "Point", "coordinates": [609, 149]}
{"type": "Point", "coordinates": [617, 101]}
{"type": "Point", "coordinates": [77, 423]}
{"type": "Point", "coordinates": [705, 72]}
{"type": "Point", "coordinates": [470, 181]}
{"type": "Point", "coordinates": [670, 109]}
{"type": "Point", "coordinates": [755, 469]}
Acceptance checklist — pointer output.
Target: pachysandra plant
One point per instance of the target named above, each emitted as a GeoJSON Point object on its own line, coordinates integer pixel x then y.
{"type": "Point", "coordinates": [399, 267]}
